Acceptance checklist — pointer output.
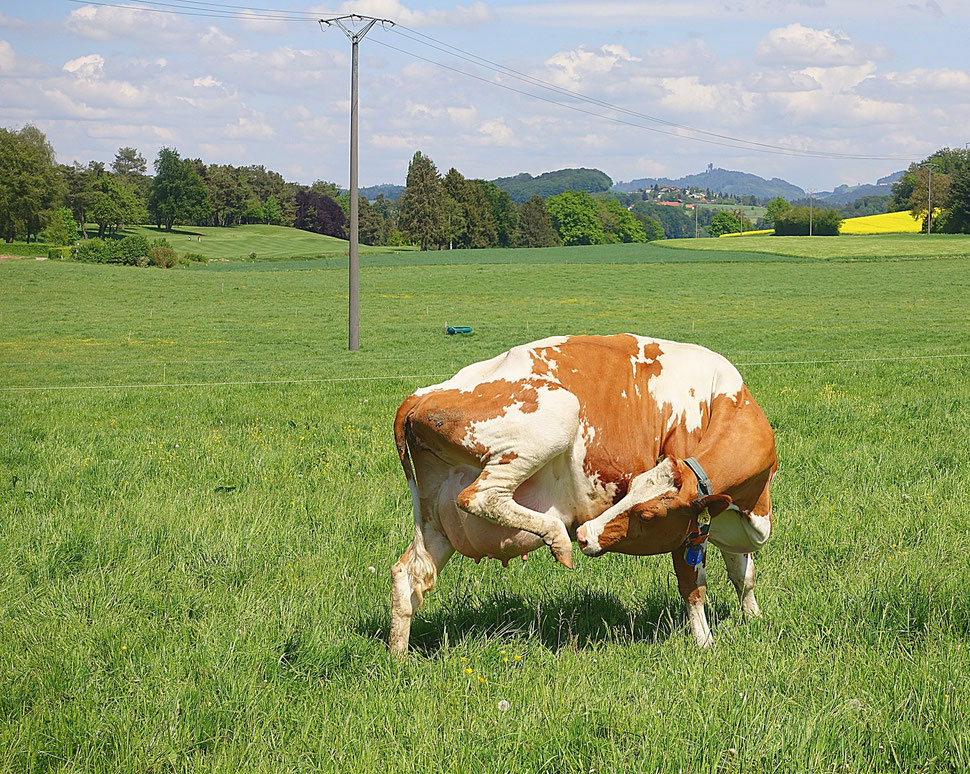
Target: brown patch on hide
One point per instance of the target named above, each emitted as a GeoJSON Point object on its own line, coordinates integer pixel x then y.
{"type": "Point", "coordinates": [620, 430]}
{"type": "Point", "coordinates": [442, 419]}
{"type": "Point", "coordinates": [506, 458]}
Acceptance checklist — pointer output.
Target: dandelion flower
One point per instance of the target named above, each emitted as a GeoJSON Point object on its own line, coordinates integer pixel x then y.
{"type": "Point", "coordinates": [503, 706]}
{"type": "Point", "coordinates": [517, 658]}
{"type": "Point", "coordinates": [468, 670]}
{"type": "Point", "coordinates": [482, 680]}
{"type": "Point", "coordinates": [463, 659]}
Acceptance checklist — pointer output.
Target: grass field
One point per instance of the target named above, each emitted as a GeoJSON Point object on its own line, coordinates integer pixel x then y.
{"type": "Point", "coordinates": [195, 578]}
{"type": "Point", "coordinates": [847, 247]}
{"type": "Point", "coordinates": [268, 242]}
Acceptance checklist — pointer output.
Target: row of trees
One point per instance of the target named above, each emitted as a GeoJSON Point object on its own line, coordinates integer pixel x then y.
{"type": "Point", "coordinates": [41, 199]}
{"type": "Point", "coordinates": [454, 211]}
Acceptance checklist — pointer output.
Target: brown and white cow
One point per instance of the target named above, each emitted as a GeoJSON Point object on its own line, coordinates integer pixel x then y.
{"type": "Point", "coordinates": [584, 438]}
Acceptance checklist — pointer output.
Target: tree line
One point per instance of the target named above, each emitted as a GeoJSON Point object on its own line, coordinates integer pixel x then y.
{"type": "Point", "coordinates": [59, 203]}
{"type": "Point", "coordinates": [437, 212]}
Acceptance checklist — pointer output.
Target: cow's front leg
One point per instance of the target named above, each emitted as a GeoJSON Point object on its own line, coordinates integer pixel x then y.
{"type": "Point", "coordinates": [692, 582]}
{"type": "Point", "coordinates": [740, 569]}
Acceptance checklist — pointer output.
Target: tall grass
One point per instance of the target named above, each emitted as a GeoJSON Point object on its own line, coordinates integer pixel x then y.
{"type": "Point", "coordinates": [195, 578]}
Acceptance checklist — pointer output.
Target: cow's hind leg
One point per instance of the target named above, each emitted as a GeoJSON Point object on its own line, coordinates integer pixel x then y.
{"type": "Point", "coordinates": [740, 569]}
{"type": "Point", "coordinates": [414, 574]}
{"type": "Point", "coordinates": [692, 582]}
{"type": "Point", "coordinates": [492, 496]}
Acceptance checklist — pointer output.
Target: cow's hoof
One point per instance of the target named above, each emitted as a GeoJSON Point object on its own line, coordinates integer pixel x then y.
{"type": "Point", "coordinates": [562, 549]}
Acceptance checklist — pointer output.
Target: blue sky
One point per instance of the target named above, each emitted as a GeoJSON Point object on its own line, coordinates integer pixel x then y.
{"type": "Point", "coordinates": [888, 78]}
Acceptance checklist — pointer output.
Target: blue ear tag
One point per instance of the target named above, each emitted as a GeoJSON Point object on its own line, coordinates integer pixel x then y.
{"type": "Point", "coordinates": [694, 555]}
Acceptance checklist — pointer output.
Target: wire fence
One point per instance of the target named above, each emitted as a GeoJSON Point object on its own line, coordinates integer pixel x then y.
{"type": "Point", "coordinates": [408, 377]}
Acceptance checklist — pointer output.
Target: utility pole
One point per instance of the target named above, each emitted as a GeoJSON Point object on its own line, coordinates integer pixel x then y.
{"type": "Point", "coordinates": [929, 199]}
{"type": "Point", "coordinates": [695, 220]}
{"type": "Point", "coordinates": [929, 195]}
{"type": "Point", "coordinates": [811, 211]}
{"type": "Point", "coordinates": [355, 36]}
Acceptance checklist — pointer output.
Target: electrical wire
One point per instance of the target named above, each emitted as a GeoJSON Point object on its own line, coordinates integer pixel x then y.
{"type": "Point", "coordinates": [778, 152]}
{"type": "Point", "coordinates": [518, 75]}
{"type": "Point", "coordinates": [153, 6]}
{"type": "Point", "coordinates": [213, 10]}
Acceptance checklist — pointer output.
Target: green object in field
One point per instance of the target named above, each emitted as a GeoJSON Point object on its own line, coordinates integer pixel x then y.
{"type": "Point", "coordinates": [464, 330]}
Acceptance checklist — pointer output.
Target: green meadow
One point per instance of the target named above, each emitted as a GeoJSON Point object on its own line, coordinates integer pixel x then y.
{"type": "Point", "coordinates": [844, 247]}
{"type": "Point", "coordinates": [268, 243]}
{"type": "Point", "coordinates": [202, 502]}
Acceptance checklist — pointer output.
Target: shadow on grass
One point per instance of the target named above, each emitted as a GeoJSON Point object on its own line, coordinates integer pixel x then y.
{"type": "Point", "coordinates": [577, 621]}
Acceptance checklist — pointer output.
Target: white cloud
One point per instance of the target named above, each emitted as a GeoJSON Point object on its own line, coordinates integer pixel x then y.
{"type": "Point", "coordinates": [921, 85]}
{"type": "Point", "coordinates": [571, 68]}
{"type": "Point", "coordinates": [90, 66]}
{"type": "Point", "coordinates": [250, 129]}
{"type": "Point", "coordinates": [147, 27]}
{"type": "Point", "coordinates": [8, 58]}
{"type": "Point", "coordinates": [206, 82]}
{"type": "Point", "coordinates": [801, 46]}
{"type": "Point", "coordinates": [11, 22]}
{"type": "Point", "coordinates": [781, 80]}
{"type": "Point", "coordinates": [464, 117]}
{"type": "Point", "coordinates": [284, 70]}
{"type": "Point", "coordinates": [497, 132]}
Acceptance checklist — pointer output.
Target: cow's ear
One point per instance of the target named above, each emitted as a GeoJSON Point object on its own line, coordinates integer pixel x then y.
{"type": "Point", "coordinates": [715, 504]}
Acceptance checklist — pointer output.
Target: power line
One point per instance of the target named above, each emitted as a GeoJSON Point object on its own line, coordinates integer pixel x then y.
{"type": "Point", "coordinates": [778, 152]}
{"type": "Point", "coordinates": [518, 75]}
{"type": "Point", "coordinates": [152, 6]}
{"type": "Point", "coordinates": [200, 8]}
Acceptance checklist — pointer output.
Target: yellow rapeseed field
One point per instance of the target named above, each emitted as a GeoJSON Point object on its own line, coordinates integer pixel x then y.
{"type": "Point", "coordinates": [750, 233]}
{"type": "Point", "coordinates": [888, 223]}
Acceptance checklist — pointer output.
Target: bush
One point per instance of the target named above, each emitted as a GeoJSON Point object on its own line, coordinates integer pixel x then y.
{"type": "Point", "coordinates": [165, 257]}
{"type": "Point", "coordinates": [58, 253]}
{"type": "Point", "coordinates": [798, 220]}
{"type": "Point", "coordinates": [130, 249]}
{"type": "Point", "coordinates": [195, 257]}
{"type": "Point", "coordinates": [30, 249]}
{"type": "Point", "coordinates": [91, 251]}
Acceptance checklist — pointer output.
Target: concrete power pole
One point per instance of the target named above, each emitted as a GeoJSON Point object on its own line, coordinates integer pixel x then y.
{"type": "Point", "coordinates": [928, 166]}
{"type": "Point", "coordinates": [929, 199]}
{"type": "Point", "coordinates": [355, 36]}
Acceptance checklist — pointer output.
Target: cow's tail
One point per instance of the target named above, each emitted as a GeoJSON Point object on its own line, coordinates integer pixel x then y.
{"type": "Point", "coordinates": [420, 567]}
{"type": "Point", "coordinates": [401, 432]}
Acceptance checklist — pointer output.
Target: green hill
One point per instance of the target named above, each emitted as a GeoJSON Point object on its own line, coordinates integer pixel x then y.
{"type": "Point", "coordinates": [269, 243]}
{"type": "Point", "coordinates": [524, 186]}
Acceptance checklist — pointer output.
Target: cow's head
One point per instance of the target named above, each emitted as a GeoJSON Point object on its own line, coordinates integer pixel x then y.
{"type": "Point", "coordinates": [669, 489]}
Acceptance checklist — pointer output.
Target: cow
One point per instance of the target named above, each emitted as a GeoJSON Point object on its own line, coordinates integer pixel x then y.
{"type": "Point", "coordinates": [620, 443]}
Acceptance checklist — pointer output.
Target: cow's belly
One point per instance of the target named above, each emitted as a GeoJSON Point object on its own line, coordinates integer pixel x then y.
{"type": "Point", "coordinates": [474, 537]}
{"type": "Point", "coordinates": [740, 534]}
